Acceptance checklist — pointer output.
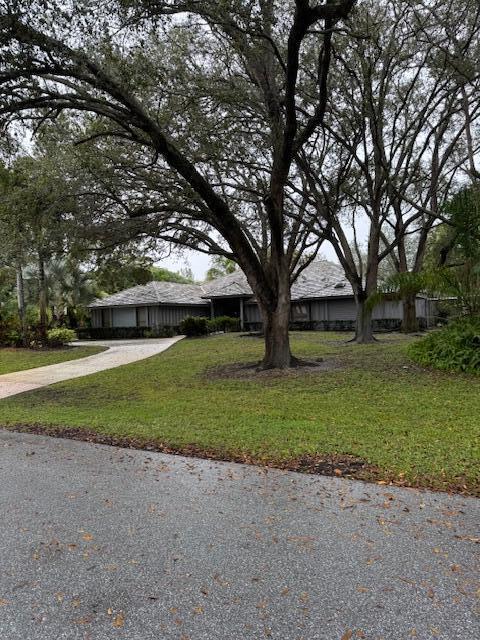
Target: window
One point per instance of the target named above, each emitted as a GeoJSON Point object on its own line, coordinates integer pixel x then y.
{"type": "Point", "coordinates": [300, 312]}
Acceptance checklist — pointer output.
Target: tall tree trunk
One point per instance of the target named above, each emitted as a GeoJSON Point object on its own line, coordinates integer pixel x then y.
{"type": "Point", "coordinates": [276, 322]}
{"type": "Point", "coordinates": [21, 303]}
{"type": "Point", "coordinates": [42, 299]}
{"type": "Point", "coordinates": [277, 341]}
{"type": "Point", "coordinates": [363, 327]}
{"type": "Point", "coordinates": [409, 320]}
{"type": "Point", "coordinates": [72, 318]}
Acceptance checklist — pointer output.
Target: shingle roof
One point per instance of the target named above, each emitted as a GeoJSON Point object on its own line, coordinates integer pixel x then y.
{"type": "Point", "coordinates": [154, 293]}
{"type": "Point", "coordinates": [321, 279]}
{"type": "Point", "coordinates": [235, 284]}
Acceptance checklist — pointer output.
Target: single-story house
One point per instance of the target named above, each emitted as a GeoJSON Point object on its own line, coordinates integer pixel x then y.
{"type": "Point", "coordinates": [322, 298]}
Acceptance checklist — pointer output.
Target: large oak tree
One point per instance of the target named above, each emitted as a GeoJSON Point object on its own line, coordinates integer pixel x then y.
{"type": "Point", "coordinates": [226, 124]}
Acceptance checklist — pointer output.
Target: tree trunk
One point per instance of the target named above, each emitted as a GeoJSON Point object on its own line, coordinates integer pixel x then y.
{"type": "Point", "coordinates": [410, 320]}
{"type": "Point", "coordinates": [364, 328]}
{"type": "Point", "coordinates": [277, 341]}
{"type": "Point", "coordinates": [72, 318]}
{"type": "Point", "coordinates": [21, 304]}
{"type": "Point", "coordinates": [42, 299]}
{"type": "Point", "coordinates": [275, 327]}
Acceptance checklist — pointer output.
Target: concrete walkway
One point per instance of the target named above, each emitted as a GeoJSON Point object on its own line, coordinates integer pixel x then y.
{"type": "Point", "coordinates": [101, 543]}
{"type": "Point", "coordinates": [118, 353]}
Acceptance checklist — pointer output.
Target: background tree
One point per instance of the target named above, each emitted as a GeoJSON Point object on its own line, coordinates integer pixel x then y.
{"type": "Point", "coordinates": [456, 252]}
{"type": "Point", "coordinates": [14, 245]}
{"type": "Point", "coordinates": [122, 269]}
{"type": "Point", "coordinates": [37, 202]}
{"type": "Point", "coordinates": [220, 266]}
{"type": "Point", "coordinates": [396, 128]}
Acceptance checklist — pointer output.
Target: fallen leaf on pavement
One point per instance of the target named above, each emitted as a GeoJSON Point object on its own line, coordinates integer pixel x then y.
{"type": "Point", "coordinates": [469, 539]}
{"type": "Point", "coordinates": [119, 620]}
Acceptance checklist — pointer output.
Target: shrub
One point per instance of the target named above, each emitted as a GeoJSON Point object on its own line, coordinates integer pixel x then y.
{"type": "Point", "coordinates": [59, 337]}
{"type": "Point", "coordinates": [193, 326]}
{"type": "Point", "coordinates": [10, 335]}
{"type": "Point", "coordinates": [456, 347]}
{"type": "Point", "coordinates": [160, 332]}
{"type": "Point", "coordinates": [212, 325]}
{"type": "Point", "coordinates": [227, 324]}
{"type": "Point", "coordinates": [223, 323]}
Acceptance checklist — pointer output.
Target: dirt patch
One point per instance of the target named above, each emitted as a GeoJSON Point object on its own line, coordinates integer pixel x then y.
{"type": "Point", "coordinates": [340, 466]}
{"type": "Point", "coordinates": [252, 370]}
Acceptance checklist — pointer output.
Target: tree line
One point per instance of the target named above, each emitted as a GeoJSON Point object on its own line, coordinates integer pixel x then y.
{"type": "Point", "coordinates": [256, 131]}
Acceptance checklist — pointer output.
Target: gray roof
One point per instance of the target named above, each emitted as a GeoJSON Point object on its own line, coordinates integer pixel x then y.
{"type": "Point", "coordinates": [154, 293]}
{"type": "Point", "coordinates": [235, 284]}
{"type": "Point", "coordinates": [321, 279]}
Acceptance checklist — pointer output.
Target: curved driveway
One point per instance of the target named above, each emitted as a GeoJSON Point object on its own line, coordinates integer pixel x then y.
{"type": "Point", "coordinates": [118, 353]}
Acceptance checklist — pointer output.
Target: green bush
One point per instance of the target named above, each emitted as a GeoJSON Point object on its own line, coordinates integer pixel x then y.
{"type": "Point", "coordinates": [160, 332]}
{"type": "Point", "coordinates": [59, 337]}
{"type": "Point", "coordinates": [456, 347]}
{"type": "Point", "coordinates": [193, 326]}
{"type": "Point", "coordinates": [10, 337]}
{"type": "Point", "coordinates": [224, 323]}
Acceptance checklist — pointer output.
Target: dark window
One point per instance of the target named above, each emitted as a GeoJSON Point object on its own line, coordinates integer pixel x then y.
{"type": "Point", "coordinates": [300, 312]}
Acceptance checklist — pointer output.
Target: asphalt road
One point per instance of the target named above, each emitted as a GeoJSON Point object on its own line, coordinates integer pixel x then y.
{"type": "Point", "coordinates": [99, 543]}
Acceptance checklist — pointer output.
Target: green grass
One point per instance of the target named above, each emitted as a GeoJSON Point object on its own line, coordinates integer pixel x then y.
{"type": "Point", "coordinates": [374, 403]}
{"type": "Point", "coordinates": [21, 359]}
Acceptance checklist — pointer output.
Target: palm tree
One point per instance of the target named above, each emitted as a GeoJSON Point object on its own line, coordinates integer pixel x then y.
{"type": "Point", "coordinates": [70, 290]}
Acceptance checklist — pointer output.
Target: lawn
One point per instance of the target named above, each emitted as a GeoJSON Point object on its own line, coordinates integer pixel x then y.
{"type": "Point", "coordinates": [21, 359]}
{"type": "Point", "coordinates": [410, 425]}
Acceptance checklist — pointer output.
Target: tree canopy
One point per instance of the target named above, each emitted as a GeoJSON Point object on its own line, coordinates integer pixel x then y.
{"type": "Point", "coordinates": [254, 131]}
{"type": "Point", "coordinates": [219, 116]}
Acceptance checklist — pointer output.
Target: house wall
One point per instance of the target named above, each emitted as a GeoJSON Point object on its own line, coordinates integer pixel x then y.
{"type": "Point", "coordinates": [164, 316]}
{"type": "Point", "coordinates": [336, 310]}
{"type": "Point", "coordinates": [338, 314]}
{"type": "Point", "coordinates": [252, 313]}
{"type": "Point", "coordinates": [158, 316]}
{"type": "Point", "coordinates": [125, 317]}
{"type": "Point", "coordinates": [96, 318]}
{"type": "Point", "coordinates": [320, 309]}
{"type": "Point", "coordinates": [324, 314]}
{"type": "Point", "coordinates": [388, 310]}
